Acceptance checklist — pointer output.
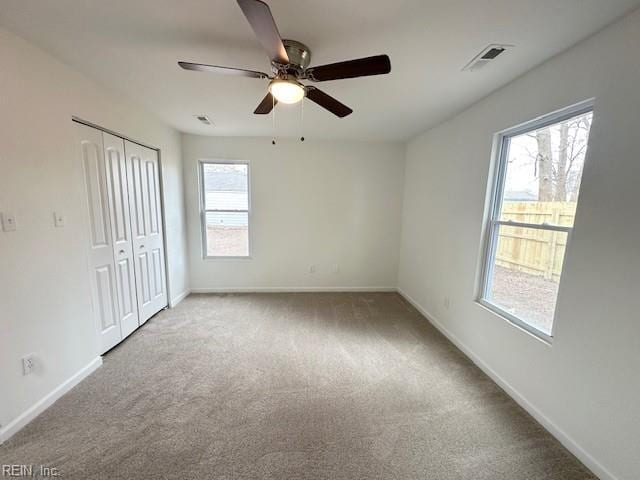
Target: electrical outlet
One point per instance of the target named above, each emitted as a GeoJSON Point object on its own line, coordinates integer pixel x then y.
{"type": "Point", "coordinates": [59, 220]}
{"type": "Point", "coordinates": [447, 303]}
{"type": "Point", "coordinates": [8, 222]}
{"type": "Point", "coordinates": [312, 269]}
{"type": "Point", "coordinates": [336, 268]}
{"type": "Point", "coordinates": [28, 364]}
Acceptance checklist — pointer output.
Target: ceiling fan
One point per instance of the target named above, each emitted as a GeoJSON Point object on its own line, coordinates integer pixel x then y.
{"type": "Point", "coordinates": [290, 65]}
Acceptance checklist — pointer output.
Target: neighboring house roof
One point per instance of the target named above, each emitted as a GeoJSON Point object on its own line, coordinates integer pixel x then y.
{"type": "Point", "coordinates": [225, 181]}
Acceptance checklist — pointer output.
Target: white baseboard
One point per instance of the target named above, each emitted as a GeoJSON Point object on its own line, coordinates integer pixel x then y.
{"type": "Point", "coordinates": [291, 289]}
{"type": "Point", "coordinates": [569, 443]}
{"type": "Point", "coordinates": [178, 298]}
{"type": "Point", "coordinates": [32, 412]}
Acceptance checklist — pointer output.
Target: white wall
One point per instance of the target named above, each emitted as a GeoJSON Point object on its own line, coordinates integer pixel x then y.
{"type": "Point", "coordinates": [44, 281]}
{"type": "Point", "coordinates": [314, 203]}
{"type": "Point", "coordinates": [587, 383]}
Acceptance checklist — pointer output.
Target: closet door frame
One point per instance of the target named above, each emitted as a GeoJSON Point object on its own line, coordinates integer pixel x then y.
{"type": "Point", "coordinates": [161, 193]}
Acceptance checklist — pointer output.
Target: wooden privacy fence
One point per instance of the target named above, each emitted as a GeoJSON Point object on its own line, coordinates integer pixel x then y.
{"type": "Point", "coordinates": [534, 251]}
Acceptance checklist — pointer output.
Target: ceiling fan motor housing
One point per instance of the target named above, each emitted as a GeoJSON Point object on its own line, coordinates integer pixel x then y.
{"type": "Point", "coordinates": [299, 56]}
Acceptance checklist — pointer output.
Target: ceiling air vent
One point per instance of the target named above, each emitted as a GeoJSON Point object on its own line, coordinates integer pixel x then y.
{"type": "Point", "coordinates": [487, 55]}
{"type": "Point", "coordinates": [203, 119]}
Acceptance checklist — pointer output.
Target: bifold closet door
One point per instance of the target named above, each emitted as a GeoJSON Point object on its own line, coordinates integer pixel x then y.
{"type": "Point", "coordinates": [118, 191]}
{"type": "Point", "coordinates": [101, 264]}
{"type": "Point", "coordinates": [146, 227]}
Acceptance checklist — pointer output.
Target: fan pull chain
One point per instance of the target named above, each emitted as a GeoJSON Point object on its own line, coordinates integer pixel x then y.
{"type": "Point", "coordinates": [273, 119]}
{"type": "Point", "coordinates": [302, 119]}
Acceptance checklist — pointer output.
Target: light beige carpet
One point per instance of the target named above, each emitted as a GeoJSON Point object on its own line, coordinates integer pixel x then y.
{"type": "Point", "coordinates": [290, 386]}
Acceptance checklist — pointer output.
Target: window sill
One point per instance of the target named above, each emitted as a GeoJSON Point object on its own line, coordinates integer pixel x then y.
{"type": "Point", "coordinates": [515, 321]}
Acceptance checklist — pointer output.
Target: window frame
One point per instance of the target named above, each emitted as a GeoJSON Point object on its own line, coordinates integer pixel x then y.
{"type": "Point", "coordinates": [204, 210]}
{"type": "Point", "coordinates": [492, 222]}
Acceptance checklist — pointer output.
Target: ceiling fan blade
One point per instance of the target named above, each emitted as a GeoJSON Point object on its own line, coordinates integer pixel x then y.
{"type": "Point", "coordinates": [362, 67]}
{"type": "Point", "coordinates": [259, 16]}
{"type": "Point", "coordinates": [199, 67]}
{"type": "Point", "coordinates": [328, 102]}
{"type": "Point", "coordinates": [266, 105]}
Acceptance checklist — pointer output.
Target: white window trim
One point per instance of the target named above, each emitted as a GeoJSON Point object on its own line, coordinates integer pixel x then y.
{"type": "Point", "coordinates": [492, 222]}
{"type": "Point", "coordinates": [203, 209]}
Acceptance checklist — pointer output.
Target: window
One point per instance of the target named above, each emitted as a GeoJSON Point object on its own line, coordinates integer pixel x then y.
{"type": "Point", "coordinates": [225, 209]}
{"type": "Point", "coordinates": [535, 193]}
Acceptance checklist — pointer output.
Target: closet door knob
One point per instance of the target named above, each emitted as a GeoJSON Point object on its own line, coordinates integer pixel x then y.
{"type": "Point", "coordinates": [121, 252]}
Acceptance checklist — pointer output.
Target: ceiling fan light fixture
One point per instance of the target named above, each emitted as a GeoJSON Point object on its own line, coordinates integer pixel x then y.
{"type": "Point", "coordinates": [286, 91]}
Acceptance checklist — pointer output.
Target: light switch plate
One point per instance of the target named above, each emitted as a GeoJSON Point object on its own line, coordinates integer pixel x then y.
{"type": "Point", "coordinates": [59, 220]}
{"type": "Point", "coordinates": [8, 222]}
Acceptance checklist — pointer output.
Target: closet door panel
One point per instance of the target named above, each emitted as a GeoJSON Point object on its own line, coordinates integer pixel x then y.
{"type": "Point", "coordinates": [138, 191]}
{"type": "Point", "coordinates": [143, 264]}
{"type": "Point", "coordinates": [118, 189]}
{"type": "Point", "coordinates": [158, 272]}
{"type": "Point", "coordinates": [148, 241]}
{"type": "Point", "coordinates": [106, 303]}
{"type": "Point", "coordinates": [102, 277]}
{"type": "Point", "coordinates": [126, 292]}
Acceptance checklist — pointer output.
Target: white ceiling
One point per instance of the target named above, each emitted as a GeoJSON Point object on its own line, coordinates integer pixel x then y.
{"type": "Point", "coordinates": [132, 46]}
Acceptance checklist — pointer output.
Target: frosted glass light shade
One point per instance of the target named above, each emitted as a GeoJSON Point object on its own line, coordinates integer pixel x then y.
{"type": "Point", "coordinates": [286, 91]}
